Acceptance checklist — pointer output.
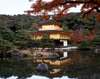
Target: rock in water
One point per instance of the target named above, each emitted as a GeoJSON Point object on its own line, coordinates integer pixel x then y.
{"type": "Point", "coordinates": [42, 68]}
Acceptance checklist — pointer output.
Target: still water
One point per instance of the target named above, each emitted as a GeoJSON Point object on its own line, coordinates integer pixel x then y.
{"type": "Point", "coordinates": [86, 65]}
{"type": "Point", "coordinates": [39, 77]}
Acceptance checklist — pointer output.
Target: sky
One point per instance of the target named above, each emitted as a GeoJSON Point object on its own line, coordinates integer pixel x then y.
{"type": "Point", "coordinates": [14, 7]}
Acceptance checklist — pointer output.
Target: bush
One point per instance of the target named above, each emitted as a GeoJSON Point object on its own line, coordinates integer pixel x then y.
{"type": "Point", "coordinates": [85, 44]}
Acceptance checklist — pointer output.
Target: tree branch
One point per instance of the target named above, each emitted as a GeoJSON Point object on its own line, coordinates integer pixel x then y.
{"type": "Point", "coordinates": [78, 2]}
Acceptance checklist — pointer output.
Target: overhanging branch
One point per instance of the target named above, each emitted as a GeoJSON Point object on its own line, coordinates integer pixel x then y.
{"type": "Point", "coordinates": [77, 2]}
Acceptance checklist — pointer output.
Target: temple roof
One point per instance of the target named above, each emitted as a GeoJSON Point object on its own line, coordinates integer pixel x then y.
{"type": "Point", "coordinates": [51, 32]}
{"type": "Point", "coordinates": [49, 22]}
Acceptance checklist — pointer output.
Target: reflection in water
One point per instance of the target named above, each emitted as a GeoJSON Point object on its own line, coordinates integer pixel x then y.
{"type": "Point", "coordinates": [66, 54]}
{"type": "Point", "coordinates": [42, 77]}
{"type": "Point", "coordinates": [39, 77]}
{"type": "Point", "coordinates": [86, 65]}
{"type": "Point", "coordinates": [13, 77]}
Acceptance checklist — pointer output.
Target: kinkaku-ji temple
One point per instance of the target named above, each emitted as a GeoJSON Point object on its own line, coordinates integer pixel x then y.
{"type": "Point", "coordinates": [52, 31]}
{"type": "Point", "coordinates": [51, 42]}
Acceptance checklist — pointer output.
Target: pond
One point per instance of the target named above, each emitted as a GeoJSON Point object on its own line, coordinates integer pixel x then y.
{"type": "Point", "coordinates": [86, 65]}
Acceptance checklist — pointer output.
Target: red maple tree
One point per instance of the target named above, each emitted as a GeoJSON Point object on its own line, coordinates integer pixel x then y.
{"type": "Point", "coordinates": [78, 36]}
{"type": "Point", "coordinates": [61, 7]}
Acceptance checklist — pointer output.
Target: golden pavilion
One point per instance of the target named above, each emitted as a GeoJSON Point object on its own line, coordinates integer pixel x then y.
{"type": "Point", "coordinates": [52, 31]}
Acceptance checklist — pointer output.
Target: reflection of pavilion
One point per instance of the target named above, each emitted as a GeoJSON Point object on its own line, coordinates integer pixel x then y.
{"type": "Point", "coordinates": [52, 31]}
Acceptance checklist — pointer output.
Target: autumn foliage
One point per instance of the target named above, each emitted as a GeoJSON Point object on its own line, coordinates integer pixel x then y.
{"type": "Point", "coordinates": [61, 7]}
{"type": "Point", "coordinates": [78, 37]}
